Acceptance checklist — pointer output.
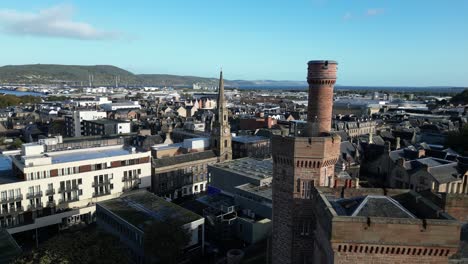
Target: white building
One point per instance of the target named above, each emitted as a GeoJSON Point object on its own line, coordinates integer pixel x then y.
{"type": "Point", "coordinates": [121, 105]}
{"type": "Point", "coordinates": [85, 103]}
{"type": "Point", "coordinates": [54, 183]}
{"type": "Point", "coordinates": [74, 122]}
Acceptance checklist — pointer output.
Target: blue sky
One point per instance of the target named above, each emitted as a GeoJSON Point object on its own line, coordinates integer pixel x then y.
{"type": "Point", "coordinates": [376, 42]}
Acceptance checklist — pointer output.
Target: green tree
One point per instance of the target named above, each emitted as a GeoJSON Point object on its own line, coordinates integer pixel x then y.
{"type": "Point", "coordinates": [166, 240]}
{"type": "Point", "coordinates": [460, 98]}
{"type": "Point", "coordinates": [459, 140]}
{"type": "Point", "coordinates": [17, 143]}
{"type": "Point", "coordinates": [87, 246]}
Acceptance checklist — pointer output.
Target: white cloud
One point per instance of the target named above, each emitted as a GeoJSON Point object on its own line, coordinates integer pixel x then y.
{"type": "Point", "coordinates": [56, 21]}
{"type": "Point", "coordinates": [374, 11]}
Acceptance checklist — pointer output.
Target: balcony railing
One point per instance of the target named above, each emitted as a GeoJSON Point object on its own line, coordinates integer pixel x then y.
{"type": "Point", "coordinates": [50, 192]}
{"type": "Point", "coordinates": [12, 199]}
{"type": "Point", "coordinates": [12, 211]}
{"type": "Point", "coordinates": [102, 183]}
{"type": "Point", "coordinates": [50, 203]}
{"type": "Point", "coordinates": [34, 195]}
{"type": "Point", "coordinates": [32, 207]}
{"type": "Point", "coordinates": [128, 178]}
{"type": "Point", "coordinates": [68, 189]}
{"type": "Point", "coordinates": [62, 201]}
{"type": "Point", "coordinates": [101, 193]}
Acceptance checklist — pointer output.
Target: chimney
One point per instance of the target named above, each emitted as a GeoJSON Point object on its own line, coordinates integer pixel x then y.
{"type": "Point", "coordinates": [397, 144]}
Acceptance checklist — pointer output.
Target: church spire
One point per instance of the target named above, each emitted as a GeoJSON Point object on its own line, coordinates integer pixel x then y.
{"type": "Point", "coordinates": [221, 102]}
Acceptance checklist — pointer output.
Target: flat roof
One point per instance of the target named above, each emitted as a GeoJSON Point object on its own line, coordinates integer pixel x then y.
{"type": "Point", "coordinates": [88, 154]}
{"type": "Point", "coordinates": [264, 191]}
{"type": "Point", "coordinates": [107, 121]}
{"type": "Point", "coordinates": [249, 139]}
{"type": "Point", "coordinates": [253, 168]}
{"type": "Point", "coordinates": [141, 206]}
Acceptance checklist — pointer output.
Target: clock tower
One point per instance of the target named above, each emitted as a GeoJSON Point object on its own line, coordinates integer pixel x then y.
{"type": "Point", "coordinates": [221, 131]}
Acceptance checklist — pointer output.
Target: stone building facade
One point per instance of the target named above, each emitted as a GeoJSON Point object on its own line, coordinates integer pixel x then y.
{"type": "Point", "coordinates": [299, 164]}
{"type": "Point", "coordinates": [360, 226]}
{"type": "Point", "coordinates": [221, 132]}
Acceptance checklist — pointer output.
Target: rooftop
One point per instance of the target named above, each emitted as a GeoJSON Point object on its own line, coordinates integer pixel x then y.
{"type": "Point", "coordinates": [88, 154]}
{"type": "Point", "coordinates": [371, 206]}
{"type": "Point", "coordinates": [249, 139]}
{"type": "Point", "coordinates": [263, 191]}
{"type": "Point", "coordinates": [254, 168]}
{"type": "Point", "coordinates": [139, 207]}
{"type": "Point", "coordinates": [183, 158]}
{"type": "Point", "coordinates": [107, 121]}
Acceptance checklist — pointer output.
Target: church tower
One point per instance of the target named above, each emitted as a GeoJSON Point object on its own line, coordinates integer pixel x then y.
{"type": "Point", "coordinates": [221, 131]}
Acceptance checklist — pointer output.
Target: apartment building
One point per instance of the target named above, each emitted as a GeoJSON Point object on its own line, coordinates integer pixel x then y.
{"type": "Point", "coordinates": [105, 127]}
{"type": "Point", "coordinates": [74, 122]}
{"type": "Point", "coordinates": [55, 183]}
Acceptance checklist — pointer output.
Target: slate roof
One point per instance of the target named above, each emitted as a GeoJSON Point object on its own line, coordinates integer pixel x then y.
{"type": "Point", "coordinates": [371, 206]}
{"type": "Point", "coordinates": [445, 173]}
{"type": "Point", "coordinates": [183, 158]}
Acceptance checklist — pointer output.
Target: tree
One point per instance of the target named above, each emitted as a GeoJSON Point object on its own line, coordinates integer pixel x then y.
{"type": "Point", "coordinates": [87, 246]}
{"type": "Point", "coordinates": [166, 240]}
{"type": "Point", "coordinates": [17, 143]}
{"type": "Point", "coordinates": [459, 140]}
{"type": "Point", "coordinates": [460, 98]}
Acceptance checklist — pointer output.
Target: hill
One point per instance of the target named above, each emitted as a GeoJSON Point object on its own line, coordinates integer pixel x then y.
{"type": "Point", "coordinates": [104, 75]}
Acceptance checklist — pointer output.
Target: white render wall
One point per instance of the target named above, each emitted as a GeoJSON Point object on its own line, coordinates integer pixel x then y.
{"type": "Point", "coordinates": [86, 199]}
{"type": "Point", "coordinates": [123, 128]}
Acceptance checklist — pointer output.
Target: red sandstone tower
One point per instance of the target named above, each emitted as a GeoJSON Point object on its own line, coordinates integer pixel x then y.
{"type": "Point", "coordinates": [299, 164]}
{"type": "Point", "coordinates": [321, 78]}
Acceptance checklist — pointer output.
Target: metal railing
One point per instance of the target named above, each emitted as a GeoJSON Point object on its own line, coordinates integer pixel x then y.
{"type": "Point", "coordinates": [34, 195]}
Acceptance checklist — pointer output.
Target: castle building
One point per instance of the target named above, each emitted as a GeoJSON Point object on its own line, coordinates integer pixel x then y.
{"type": "Point", "coordinates": [316, 222]}
{"type": "Point", "coordinates": [221, 132]}
{"type": "Point", "coordinates": [301, 161]}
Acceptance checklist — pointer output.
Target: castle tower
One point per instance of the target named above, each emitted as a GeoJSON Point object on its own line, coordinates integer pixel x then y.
{"type": "Point", "coordinates": [221, 130]}
{"type": "Point", "coordinates": [299, 164]}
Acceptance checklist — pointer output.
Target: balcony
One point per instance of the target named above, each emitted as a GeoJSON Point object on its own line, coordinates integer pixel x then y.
{"type": "Point", "coordinates": [101, 193]}
{"type": "Point", "coordinates": [33, 207]}
{"type": "Point", "coordinates": [50, 203]}
{"type": "Point", "coordinates": [61, 201]}
{"type": "Point", "coordinates": [68, 189]}
{"type": "Point", "coordinates": [128, 178]}
{"type": "Point", "coordinates": [11, 211]}
{"type": "Point", "coordinates": [102, 183]}
{"type": "Point", "coordinates": [12, 199]}
{"type": "Point", "coordinates": [50, 192]}
{"type": "Point", "coordinates": [34, 195]}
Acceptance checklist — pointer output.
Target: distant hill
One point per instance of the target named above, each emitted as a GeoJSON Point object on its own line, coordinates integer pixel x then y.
{"type": "Point", "coordinates": [105, 75]}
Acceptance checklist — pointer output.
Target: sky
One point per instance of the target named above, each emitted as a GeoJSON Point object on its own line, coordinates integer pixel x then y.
{"type": "Point", "coordinates": [376, 42]}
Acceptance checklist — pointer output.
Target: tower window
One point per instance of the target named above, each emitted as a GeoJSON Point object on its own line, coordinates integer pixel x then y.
{"type": "Point", "coordinates": [225, 143]}
{"type": "Point", "coordinates": [224, 117]}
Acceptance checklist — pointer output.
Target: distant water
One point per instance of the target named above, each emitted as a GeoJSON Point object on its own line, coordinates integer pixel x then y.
{"type": "Point", "coordinates": [364, 88]}
{"type": "Point", "coordinates": [19, 93]}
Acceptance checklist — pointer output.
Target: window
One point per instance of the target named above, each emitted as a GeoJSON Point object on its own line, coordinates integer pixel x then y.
{"type": "Point", "coordinates": [306, 187]}
{"type": "Point", "coordinates": [305, 227]}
